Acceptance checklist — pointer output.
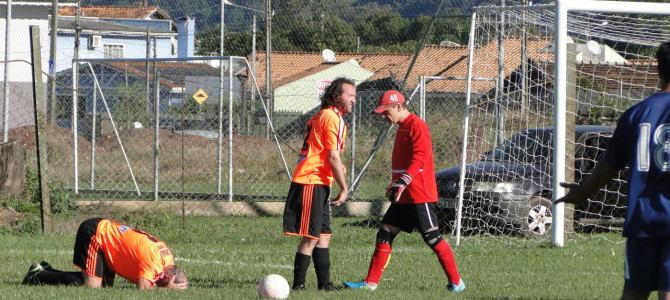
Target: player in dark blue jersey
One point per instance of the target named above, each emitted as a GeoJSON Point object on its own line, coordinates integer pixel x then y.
{"type": "Point", "coordinates": [641, 141]}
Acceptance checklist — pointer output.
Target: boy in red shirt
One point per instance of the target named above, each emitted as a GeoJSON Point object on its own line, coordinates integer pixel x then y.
{"type": "Point", "coordinates": [413, 193]}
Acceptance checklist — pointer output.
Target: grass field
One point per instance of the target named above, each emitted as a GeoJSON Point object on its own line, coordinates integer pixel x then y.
{"type": "Point", "coordinates": [224, 258]}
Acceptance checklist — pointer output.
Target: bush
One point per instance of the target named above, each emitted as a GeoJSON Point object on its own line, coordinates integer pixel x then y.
{"type": "Point", "coordinates": [60, 199]}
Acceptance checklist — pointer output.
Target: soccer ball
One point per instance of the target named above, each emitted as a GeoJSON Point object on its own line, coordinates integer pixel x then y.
{"type": "Point", "coordinates": [273, 286]}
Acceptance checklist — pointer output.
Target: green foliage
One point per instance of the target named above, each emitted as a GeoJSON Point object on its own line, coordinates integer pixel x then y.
{"type": "Point", "coordinates": [130, 105]}
{"type": "Point", "coordinates": [225, 256]}
{"type": "Point", "coordinates": [60, 198]}
{"type": "Point", "coordinates": [316, 25]}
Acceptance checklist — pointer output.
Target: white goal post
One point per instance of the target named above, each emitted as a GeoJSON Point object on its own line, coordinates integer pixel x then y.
{"type": "Point", "coordinates": [564, 74]}
{"type": "Point", "coordinates": [562, 9]}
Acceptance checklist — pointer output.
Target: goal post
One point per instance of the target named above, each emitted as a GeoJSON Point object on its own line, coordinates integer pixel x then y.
{"type": "Point", "coordinates": [566, 72]}
{"type": "Point", "coordinates": [562, 9]}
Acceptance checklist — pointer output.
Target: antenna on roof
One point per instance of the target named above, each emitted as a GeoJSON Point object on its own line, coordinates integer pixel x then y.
{"type": "Point", "coordinates": [328, 56]}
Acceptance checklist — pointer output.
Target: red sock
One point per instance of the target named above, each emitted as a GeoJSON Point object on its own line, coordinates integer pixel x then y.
{"type": "Point", "coordinates": [446, 257]}
{"type": "Point", "coordinates": [380, 259]}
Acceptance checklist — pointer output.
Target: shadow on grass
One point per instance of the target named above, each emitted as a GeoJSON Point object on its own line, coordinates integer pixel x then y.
{"type": "Point", "coordinates": [221, 283]}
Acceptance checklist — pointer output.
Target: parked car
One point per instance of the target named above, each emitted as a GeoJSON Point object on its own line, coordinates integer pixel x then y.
{"type": "Point", "coordinates": [509, 189]}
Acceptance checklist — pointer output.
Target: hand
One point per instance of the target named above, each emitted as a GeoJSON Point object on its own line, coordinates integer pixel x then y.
{"type": "Point", "coordinates": [395, 189]}
{"type": "Point", "coordinates": [570, 196]}
{"type": "Point", "coordinates": [177, 286]}
{"type": "Point", "coordinates": [340, 198]}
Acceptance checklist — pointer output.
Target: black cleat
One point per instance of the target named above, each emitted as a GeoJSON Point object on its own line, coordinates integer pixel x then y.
{"type": "Point", "coordinates": [329, 287]}
{"type": "Point", "coordinates": [46, 266]}
{"type": "Point", "coordinates": [32, 271]}
{"type": "Point", "coordinates": [299, 287]}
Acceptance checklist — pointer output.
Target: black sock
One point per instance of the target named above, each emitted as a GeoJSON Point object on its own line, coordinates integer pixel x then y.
{"type": "Point", "coordinates": [300, 266]}
{"type": "Point", "coordinates": [58, 278]}
{"type": "Point", "coordinates": [321, 258]}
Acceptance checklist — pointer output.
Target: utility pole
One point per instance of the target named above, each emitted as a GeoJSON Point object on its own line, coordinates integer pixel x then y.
{"type": "Point", "coordinates": [5, 114]}
{"type": "Point", "coordinates": [75, 104]}
{"type": "Point", "coordinates": [51, 112]}
{"type": "Point", "coordinates": [253, 71]}
{"type": "Point", "coordinates": [268, 64]}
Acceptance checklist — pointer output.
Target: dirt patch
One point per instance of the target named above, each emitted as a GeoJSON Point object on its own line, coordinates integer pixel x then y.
{"type": "Point", "coordinates": [8, 216]}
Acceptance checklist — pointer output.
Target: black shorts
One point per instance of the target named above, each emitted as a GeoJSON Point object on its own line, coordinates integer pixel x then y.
{"type": "Point", "coordinates": [88, 254]}
{"type": "Point", "coordinates": [410, 216]}
{"type": "Point", "coordinates": [307, 210]}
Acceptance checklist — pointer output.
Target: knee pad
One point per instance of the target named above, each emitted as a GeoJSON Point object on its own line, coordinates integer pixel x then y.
{"type": "Point", "coordinates": [384, 236]}
{"type": "Point", "coordinates": [432, 238]}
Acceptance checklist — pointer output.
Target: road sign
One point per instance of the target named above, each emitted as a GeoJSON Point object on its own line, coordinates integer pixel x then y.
{"type": "Point", "coordinates": [200, 96]}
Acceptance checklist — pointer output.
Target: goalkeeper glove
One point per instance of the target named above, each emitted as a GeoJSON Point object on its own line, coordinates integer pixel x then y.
{"type": "Point", "coordinates": [395, 189]}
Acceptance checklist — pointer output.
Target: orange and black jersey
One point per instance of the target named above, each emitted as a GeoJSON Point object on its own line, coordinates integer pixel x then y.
{"type": "Point", "coordinates": [325, 131]}
{"type": "Point", "coordinates": [131, 253]}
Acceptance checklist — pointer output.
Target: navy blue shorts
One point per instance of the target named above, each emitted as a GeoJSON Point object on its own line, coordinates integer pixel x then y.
{"type": "Point", "coordinates": [647, 264]}
{"type": "Point", "coordinates": [408, 217]}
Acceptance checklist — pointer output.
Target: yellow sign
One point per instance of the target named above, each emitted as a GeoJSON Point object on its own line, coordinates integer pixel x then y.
{"type": "Point", "coordinates": [200, 96]}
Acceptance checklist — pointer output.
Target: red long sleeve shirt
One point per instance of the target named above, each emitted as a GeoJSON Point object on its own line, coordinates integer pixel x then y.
{"type": "Point", "coordinates": [413, 155]}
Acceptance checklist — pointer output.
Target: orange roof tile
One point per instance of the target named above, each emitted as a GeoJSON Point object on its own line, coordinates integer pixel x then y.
{"type": "Point", "coordinates": [485, 64]}
{"type": "Point", "coordinates": [115, 12]}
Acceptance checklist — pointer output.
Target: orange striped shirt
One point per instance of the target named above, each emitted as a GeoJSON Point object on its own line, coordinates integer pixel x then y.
{"type": "Point", "coordinates": [325, 131]}
{"type": "Point", "coordinates": [131, 253]}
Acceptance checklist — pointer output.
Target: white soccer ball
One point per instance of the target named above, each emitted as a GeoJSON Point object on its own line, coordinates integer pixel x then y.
{"type": "Point", "coordinates": [273, 286]}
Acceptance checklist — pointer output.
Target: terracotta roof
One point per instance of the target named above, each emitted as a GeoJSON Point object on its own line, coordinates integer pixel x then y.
{"type": "Point", "coordinates": [116, 12]}
{"type": "Point", "coordinates": [453, 62]}
{"type": "Point", "coordinates": [620, 77]}
{"type": "Point", "coordinates": [486, 64]}
{"type": "Point", "coordinates": [172, 74]}
{"type": "Point", "coordinates": [432, 61]}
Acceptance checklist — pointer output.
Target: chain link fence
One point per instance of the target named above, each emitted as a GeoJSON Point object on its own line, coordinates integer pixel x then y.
{"type": "Point", "coordinates": [141, 133]}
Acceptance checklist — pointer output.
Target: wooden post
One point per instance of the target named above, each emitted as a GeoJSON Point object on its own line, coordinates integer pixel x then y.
{"type": "Point", "coordinates": [39, 100]}
{"type": "Point", "coordinates": [12, 169]}
{"type": "Point", "coordinates": [571, 115]}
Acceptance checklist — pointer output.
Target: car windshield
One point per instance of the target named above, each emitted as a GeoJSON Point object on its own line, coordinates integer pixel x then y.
{"type": "Point", "coordinates": [524, 147]}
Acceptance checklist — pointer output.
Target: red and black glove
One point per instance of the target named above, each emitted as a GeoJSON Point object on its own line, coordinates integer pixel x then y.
{"type": "Point", "coordinates": [395, 189]}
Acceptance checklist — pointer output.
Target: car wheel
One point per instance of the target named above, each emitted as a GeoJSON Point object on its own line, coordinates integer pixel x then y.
{"type": "Point", "coordinates": [537, 218]}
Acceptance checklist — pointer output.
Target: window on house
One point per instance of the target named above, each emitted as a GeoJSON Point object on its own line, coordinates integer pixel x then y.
{"type": "Point", "coordinates": [113, 51]}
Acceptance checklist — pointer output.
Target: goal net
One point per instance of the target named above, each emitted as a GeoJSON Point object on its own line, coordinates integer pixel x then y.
{"type": "Point", "coordinates": [506, 182]}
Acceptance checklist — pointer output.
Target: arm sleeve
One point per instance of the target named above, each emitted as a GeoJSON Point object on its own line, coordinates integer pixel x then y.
{"type": "Point", "coordinates": [333, 131]}
{"type": "Point", "coordinates": [617, 152]}
{"type": "Point", "coordinates": [421, 148]}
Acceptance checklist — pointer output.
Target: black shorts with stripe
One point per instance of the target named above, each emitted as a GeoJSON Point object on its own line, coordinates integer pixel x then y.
{"type": "Point", "coordinates": [307, 210]}
{"type": "Point", "coordinates": [88, 254]}
{"type": "Point", "coordinates": [410, 216]}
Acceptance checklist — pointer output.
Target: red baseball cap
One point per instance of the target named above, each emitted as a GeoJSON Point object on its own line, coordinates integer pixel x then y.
{"type": "Point", "coordinates": [387, 99]}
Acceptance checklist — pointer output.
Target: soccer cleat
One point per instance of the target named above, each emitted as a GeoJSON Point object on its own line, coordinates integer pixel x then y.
{"type": "Point", "coordinates": [46, 266]}
{"type": "Point", "coordinates": [32, 271]}
{"type": "Point", "coordinates": [299, 287]}
{"type": "Point", "coordinates": [456, 288]}
{"type": "Point", "coordinates": [360, 285]}
{"type": "Point", "coordinates": [329, 287]}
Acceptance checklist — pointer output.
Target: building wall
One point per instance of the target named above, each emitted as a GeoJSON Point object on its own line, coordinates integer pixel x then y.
{"type": "Point", "coordinates": [303, 95]}
{"type": "Point", "coordinates": [134, 47]}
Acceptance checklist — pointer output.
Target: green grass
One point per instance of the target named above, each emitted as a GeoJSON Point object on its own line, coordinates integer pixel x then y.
{"type": "Point", "coordinates": [225, 256]}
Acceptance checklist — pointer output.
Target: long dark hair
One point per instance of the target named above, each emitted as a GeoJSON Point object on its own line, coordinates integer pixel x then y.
{"type": "Point", "coordinates": [334, 91]}
{"type": "Point", "coordinates": [663, 58]}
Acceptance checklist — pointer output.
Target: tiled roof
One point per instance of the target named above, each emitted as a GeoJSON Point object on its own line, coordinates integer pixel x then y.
{"type": "Point", "coordinates": [485, 65]}
{"type": "Point", "coordinates": [288, 66]}
{"type": "Point", "coordinates": [172, 74]}
{"type": "Point", "coordinates": [432, 60]}
{"type": "Point", "coordinates": [116, 12]}
{"type": "Point", "coordinates": [453, 62]}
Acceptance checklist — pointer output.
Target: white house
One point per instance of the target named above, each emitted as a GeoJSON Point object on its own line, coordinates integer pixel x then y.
{"type": "Point", "coordinates": [106, 32]}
